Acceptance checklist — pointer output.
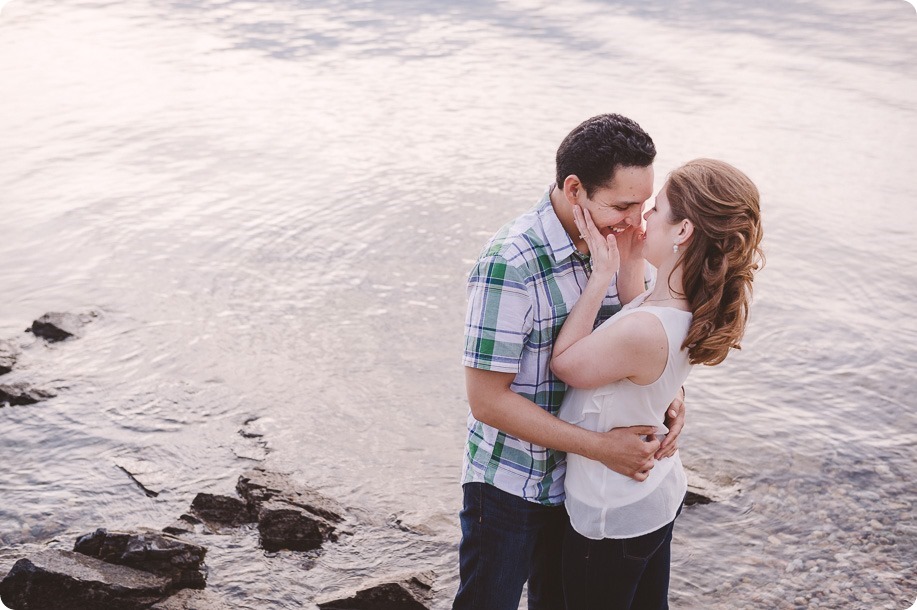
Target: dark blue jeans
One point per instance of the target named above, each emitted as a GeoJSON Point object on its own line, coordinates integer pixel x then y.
{"type": "Point", "coordinates": [617, 574]}
{"type": "Point", "coordinates": [505, 541]}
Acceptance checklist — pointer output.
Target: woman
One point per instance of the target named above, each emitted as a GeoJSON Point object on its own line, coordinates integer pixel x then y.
{"type": "Point", "coordinates": [703, 236]}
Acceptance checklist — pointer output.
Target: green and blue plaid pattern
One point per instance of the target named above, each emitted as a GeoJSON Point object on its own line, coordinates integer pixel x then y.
{"type": "Point", "coordinates": [526, 280]}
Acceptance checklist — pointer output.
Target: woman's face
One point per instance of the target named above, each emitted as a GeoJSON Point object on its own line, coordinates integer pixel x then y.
{"type": "Point", "coordinates": [660, 234]}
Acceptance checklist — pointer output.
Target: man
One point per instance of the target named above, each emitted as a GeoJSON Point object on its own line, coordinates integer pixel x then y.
{"type": "Point", "coordinates": [527, 278]}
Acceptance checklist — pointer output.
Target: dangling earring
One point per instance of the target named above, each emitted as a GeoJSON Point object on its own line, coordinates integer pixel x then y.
{"type": "Point", "coordinates": [675, 248]}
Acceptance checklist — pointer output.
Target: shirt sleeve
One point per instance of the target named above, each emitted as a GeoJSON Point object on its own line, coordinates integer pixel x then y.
{"type": "Point", "coordinates": [499, 316]}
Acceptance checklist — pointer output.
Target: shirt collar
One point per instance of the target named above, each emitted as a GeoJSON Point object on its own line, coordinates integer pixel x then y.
{"type": "Point", "coordinates": [558, 240]}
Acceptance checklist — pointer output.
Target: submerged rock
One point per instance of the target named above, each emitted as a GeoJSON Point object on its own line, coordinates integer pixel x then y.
{"type": "Point", "coordinates": [258, 486]}
{"type": "Point", "coordinates": [56, 326]}
{"type": "Point", "coordinates": [8, 355]}
{"type": "Point", "coordinates": [289, 516]}
{"type": "Point", "coordinates": [191, 600]}
{"type": "Point", "coordinates": [183, 525]}
{"type": "Point", "coordinates": [22, 394]}
{"type": "Point", "coordinates": [221, 511]}
{"type": "Point", "coordinates": [692, 498]}
{"type": "Point", "coordinates": [705, 489]}
{"type": "Point", "coordinates": [179, 561]}
{"type": "Point", "coordinates": [284, 526]}
{"type": "Point", "coordinates": [63, 580]}
{"type": "Point", "coordinates": [410, 593]}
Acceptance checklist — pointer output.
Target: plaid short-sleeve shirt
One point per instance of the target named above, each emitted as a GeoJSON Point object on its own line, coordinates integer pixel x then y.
{"type": "Point", "coordinates": [525, 281]}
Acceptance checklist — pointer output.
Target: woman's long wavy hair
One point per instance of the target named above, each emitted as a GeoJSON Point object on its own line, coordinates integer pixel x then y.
{"type": "Point", "coordinates": [722, 255]}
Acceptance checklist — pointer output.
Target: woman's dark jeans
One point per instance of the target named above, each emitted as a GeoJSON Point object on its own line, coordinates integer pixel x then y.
{"type": "Point", "coordinates": [507, 541]}
{"type": "Point", "coordinates": [617, 574]}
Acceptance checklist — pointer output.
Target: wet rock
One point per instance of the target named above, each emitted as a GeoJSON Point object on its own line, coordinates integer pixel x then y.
{"type": "Point", "coordinates": [692, 498]}
{"type": "Point", "coordinates": [256, 448]}
{"type": "Point", "coordinates": [290, 516]}
{"type": "Point", "coordinates": [179, 561]}
{"type": "Point", "coordinates": [704, 490]}
{"type": "Point", "coordinates": [8, 355]}
{"type": "Point", "coordinates": [63, 580]}
{"type": "Point", "coordinates": [259, 486]}
{"type": "Point", "coordinates": [22, 394]}
{"type": "Point", "coordinates": [411, 593]}
{"type": "Point", "coordinates": [284, 526]}
{"type": "Point", "coordinates": [221, 511]}
{"type": "Point", "coordinates": [184, 525]}
{"type": "Point", "coordinates": [56, 326]}
{"type": "Point", "coordinates": [133, 477]}
{"type": "Point", "coordinates": [188, 599]}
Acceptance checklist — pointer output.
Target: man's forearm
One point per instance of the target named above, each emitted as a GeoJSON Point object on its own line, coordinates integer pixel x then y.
{"type": "Point", "coordinates": [522, 418]}
{"type": "Point", "coordinates": [493, 402]}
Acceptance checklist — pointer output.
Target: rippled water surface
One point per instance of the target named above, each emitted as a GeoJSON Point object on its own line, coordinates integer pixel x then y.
{"type": "Point", "coordinates": [272, 206]}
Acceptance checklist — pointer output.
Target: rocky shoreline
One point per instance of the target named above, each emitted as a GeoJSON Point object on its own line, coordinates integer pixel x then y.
{"type": "Point", "coordinates": [148, 568]}
{"type": "Point", "coordinates": [145, 568]}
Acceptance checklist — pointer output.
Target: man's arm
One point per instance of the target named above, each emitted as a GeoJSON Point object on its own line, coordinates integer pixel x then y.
{"type": "Point", "coordinates": [495, 404]}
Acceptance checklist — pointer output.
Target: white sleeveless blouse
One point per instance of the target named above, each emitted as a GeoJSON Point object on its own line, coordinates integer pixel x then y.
{"type": "Point", "coordinates": [602, 503]}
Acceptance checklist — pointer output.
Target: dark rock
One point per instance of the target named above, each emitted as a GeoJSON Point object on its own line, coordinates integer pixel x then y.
{"type": "Point", "coordinates": [290, 516]}
{"type": "Point", "coordinates": [62, 580]}
{"type": "Point", "coordinates": [59, 326]}
{"type": "Point", "coordinates": [184, 525]}
{"type": "Point", "coordinates": [146, 490]}
{"type": "Point", "coordinates": [412, 593]}
{"type": "Point", "coordinates": [692, 498]}
{"type": "Point", "coordinates": [179, 561]}
{"type": "Point", "coordinates": [706, 489]}
{"type": "Point", "coordinates": [222, 511]}
{"type": "Point", "coordinates": [258, 486]}
{"type": "Point", "coordinates": [22, 394]}
{"type": "Point", "coordinates": [187, 599]}
{"type": "Point", "coordinates": [8, 355]}
{"type": "Point", "coordinates": [284, 526]}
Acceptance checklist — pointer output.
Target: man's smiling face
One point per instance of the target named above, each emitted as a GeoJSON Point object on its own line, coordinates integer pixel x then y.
{"type": "Point", "coordinates": [619, 206]}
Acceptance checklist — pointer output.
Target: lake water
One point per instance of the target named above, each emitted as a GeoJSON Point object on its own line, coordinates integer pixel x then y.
{"type": "Point", "coordinates": [273, 205]}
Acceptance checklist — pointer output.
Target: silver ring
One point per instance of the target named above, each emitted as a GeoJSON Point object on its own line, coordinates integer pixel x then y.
{"type": "Point", "coordinates": [581, 236]}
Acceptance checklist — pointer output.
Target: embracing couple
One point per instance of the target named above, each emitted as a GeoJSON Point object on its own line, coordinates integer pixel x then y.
{"type": "Point", "coordinates": [582, 326]}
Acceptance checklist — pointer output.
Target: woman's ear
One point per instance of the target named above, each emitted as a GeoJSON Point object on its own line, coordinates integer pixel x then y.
{"type": "Point", "coordinates": [685, 231]}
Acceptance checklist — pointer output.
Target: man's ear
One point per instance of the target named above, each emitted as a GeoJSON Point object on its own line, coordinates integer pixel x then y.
{"type": "Point", "coordinates": [573, 188]}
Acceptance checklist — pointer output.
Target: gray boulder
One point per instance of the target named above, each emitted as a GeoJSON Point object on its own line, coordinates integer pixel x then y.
{"type": "Point", "coordinates": [258, 486]}
{"type": "Point", "coordinates": [183, 525]}
{"type": "Point", "coordinates": [56, 326]}
{"type": "Point", "coordinates": [221, 511]}
{"type": "Point", "coordinates": [410, 593]}
{"type": "Point", "coordinates": [188, 599]}
{"type": "Point", "coordinates": [22, 393]}
{"type": "Point", "coordinates": [284, 526]}
{"type": "Point", "coordinates": [182, 563]}
{"type": "Point", "coordinates": [8, 355]}
{"type": "Point", "coordinates": [290, 516]}
{"type": "Point", "coordinates": [63, 580]}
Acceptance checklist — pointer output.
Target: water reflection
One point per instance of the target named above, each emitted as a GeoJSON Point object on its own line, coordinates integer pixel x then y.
{"type": "Point", "coordinates": [274, 204]}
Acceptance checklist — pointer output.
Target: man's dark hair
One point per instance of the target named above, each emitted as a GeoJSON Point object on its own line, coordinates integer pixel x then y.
{"type": "Point", "coordinates": [598, 146]}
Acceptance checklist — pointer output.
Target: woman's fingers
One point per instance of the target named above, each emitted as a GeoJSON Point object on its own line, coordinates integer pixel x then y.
{"type": "Point", "coordinates": [593, 230]}
{"type": "Point", "coordinates": [580, 221]}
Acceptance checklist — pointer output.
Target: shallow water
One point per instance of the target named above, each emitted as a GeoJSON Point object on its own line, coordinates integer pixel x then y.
{"type": "Point", "coordinates": [272, 206]}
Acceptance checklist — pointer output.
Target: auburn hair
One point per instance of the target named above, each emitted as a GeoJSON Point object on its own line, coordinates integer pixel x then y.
{"type": "Point", "coordinates": [722, 255]}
